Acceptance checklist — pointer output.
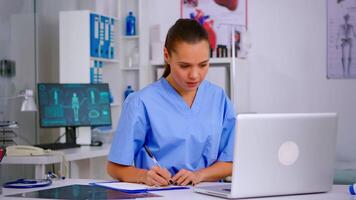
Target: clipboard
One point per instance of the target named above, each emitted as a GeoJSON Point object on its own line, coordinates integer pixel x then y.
{"type": "Point", "coordinates": [134, 187]}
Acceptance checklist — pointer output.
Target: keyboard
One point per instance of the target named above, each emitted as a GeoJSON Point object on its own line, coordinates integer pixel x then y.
{"type": "Point", "coordinates": [57, 146]}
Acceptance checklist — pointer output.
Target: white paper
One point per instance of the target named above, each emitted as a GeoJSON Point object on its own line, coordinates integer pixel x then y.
{"type": "Point", "coordinates": [124, 186]}
{"type": "Point", "coordinates": [131, 186]}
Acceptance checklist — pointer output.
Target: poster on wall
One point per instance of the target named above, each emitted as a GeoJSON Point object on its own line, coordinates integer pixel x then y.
{"type": "Point", "coordinates": [224, 20]}
{"type": "Point", "coordinates": [341, 39]}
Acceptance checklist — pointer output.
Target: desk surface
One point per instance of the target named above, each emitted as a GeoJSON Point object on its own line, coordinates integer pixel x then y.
{"type": "Point", "coordinates": [339, 192]}
{"type": "Point", "coordinates": [84, 152]}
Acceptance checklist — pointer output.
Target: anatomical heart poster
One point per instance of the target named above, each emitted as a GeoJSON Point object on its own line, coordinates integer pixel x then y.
{"type": "Point", "coordinates": [224, 20]}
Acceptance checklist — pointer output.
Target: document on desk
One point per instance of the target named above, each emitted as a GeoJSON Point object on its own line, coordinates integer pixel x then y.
{"type": "Point", "coordinates": [134, 187]}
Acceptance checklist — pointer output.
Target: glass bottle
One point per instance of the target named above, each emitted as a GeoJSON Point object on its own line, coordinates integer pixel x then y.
{"type": "Point", "coordinates": [128, 91]}
{"type": "Point", "coordinates": [130, 24]}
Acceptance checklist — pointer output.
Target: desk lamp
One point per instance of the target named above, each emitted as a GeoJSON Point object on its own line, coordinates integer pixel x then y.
{"type": "Point", "coordinates": [28, 103]}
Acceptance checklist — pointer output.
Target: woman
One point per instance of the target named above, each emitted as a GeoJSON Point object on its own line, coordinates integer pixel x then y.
{"type": "Point", "coordinates": [188, 123]}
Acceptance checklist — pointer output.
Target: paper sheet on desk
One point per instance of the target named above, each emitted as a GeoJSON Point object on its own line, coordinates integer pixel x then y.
{"type": "Point", "coordinates": [135, 188]}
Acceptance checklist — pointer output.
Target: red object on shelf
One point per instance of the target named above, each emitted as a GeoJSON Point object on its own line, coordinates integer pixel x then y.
{"type": "Point", "coordinates": [2, 153]}
{"type": "Point", "coordinates": [207, 23]}
{"type": "Point", "coordinates": [208, 26]}
{"type": "Point", "coordinates": [229, 4]}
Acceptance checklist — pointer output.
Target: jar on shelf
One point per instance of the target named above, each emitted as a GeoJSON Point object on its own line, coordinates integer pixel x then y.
{"type": "Point", "coordinates": [133, 58]}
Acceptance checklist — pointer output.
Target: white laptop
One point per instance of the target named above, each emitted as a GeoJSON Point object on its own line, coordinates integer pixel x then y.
{"type": "Point", "coordinates": [281, 154]}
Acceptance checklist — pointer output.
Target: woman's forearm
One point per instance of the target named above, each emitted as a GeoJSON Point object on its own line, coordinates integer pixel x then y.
{"type": "Point", "coordinates": [126, 173]}
{"type": "Point", "coordinates": [215, 172]}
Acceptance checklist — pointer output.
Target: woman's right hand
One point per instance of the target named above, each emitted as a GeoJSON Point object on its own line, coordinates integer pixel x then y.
{"type": "Point", "coordinates": [157, 176]}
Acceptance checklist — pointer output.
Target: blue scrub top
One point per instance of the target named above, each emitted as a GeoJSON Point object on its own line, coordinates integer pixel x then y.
{"type": "Point", "coordinates": [179, 137]}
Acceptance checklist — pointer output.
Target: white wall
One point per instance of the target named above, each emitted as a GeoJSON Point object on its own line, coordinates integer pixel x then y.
{"type": "Point", "coordinates": [288, 66]}
{"type": "Point", "coordinates": [287, 63]}
{"type": "Point", "coordinates": [164, 13]}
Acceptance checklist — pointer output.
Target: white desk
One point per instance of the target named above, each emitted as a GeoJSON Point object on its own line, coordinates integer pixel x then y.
{"type": "Point", "coordinates": [80, 160]}
{"type": "Point", "coordinates": [339, 192]}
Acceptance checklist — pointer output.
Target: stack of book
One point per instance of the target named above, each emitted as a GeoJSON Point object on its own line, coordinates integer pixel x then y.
{"type": "Point", "coordinates": [7, 132]}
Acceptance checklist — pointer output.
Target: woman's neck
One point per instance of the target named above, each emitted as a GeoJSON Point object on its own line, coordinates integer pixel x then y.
{"type": "Point", "coordinates": [188, 96]}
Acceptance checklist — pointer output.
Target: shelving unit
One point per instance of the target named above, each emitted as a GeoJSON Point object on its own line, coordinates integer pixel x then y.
{"type": "Point", "coordinates": [230, 73]}
{"type": "Point", "coordinates": [217, 65]}
{"type": "Point", "coordinates": [236, 80]}
{"type": "Point", "coordinates": [130, 67]}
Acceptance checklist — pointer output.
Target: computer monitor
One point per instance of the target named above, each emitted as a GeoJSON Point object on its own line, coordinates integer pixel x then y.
{"type": "Point", "coordinates": [73, 105]}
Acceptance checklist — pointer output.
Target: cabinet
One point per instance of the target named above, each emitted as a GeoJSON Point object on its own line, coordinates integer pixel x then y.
{"type": "Point", "coordinates": [76, 59]}
{"type": "Point", "coordinates": [119, 70]}
{"type": "Point", "coordinates": [77, 46]}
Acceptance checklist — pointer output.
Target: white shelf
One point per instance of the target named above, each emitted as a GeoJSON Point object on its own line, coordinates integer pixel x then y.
{"type": "Point", "coordinates": [211, 61]}
{"type": "Point", "coordinates": [129, 37]}
{"type": "Point", "coordinates": [220, 60]}
{"type": "Point", "coordinates": [104, 60]}
{"type": "Point", "coordinates": [130, 68]}
{"type": "Point", "coordinates": [115, 104]}
{"type": "Point", "coordinates": [156, 62]}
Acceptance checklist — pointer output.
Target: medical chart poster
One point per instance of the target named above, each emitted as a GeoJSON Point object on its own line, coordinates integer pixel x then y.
{"type": "Point", "coordinates": [341, 39]}
{"type": "Point", "coordinates": [224, 20]}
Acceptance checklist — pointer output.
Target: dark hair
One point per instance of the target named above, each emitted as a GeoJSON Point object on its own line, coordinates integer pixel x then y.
{"type": "Point", "coordinates": [184, 30]}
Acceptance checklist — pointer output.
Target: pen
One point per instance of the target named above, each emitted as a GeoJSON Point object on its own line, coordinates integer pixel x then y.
{"type": "Point", "coordinates": [352, 189]}
{"type": "Point", "coordinates": [151, 156]}
{"type": "Point", "coordinates": [148, 151]}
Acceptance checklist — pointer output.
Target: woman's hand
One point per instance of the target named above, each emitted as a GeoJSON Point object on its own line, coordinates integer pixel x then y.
{"type": "Point", "coordinates": [186, 177]}
{"type": "Point", "coordinates": [157, 176]}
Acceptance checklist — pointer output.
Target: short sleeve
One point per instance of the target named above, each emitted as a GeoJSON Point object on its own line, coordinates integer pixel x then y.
{"type": "Point", "coordinates": [226, 148]}
{"type": "Point", "coordinates": [130, 133]}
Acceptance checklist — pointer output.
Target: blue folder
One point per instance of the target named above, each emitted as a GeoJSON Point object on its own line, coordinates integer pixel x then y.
{"type": "Point", "coordinates": [111, 38]}
{"type": "Point", "coordinates": [101, 36]}
{"type": "Point", "coordinates": [104, 39]}
{"type": "Point", "coordinates": [94, 35]}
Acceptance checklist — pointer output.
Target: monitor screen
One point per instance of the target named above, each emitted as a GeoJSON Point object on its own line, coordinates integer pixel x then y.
{"type": "Point", "coordinates": [73, 105]}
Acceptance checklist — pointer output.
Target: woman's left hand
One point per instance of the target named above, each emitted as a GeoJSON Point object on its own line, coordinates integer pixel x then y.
{"type": "Point", "coordinates": [186, 177]}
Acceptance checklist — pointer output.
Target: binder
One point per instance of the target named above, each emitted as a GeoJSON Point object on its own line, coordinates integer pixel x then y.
{"type": "Point", "coordinates": [111, 38]}
{"type": "Point", "coordinates": [99, 72]}
{"type": "Point", "coordinates": [104, 37]}
{"type": "Point", "coordinates": [101, 36]}
{"type": "Point", "coordinates": [96, 72]}
{"type": "Point", "coordinates": [94, 35]}
{"type": "Point", "coordinates": [107, 37]}
{"type": "Point", "coordinates": [91, 71]}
